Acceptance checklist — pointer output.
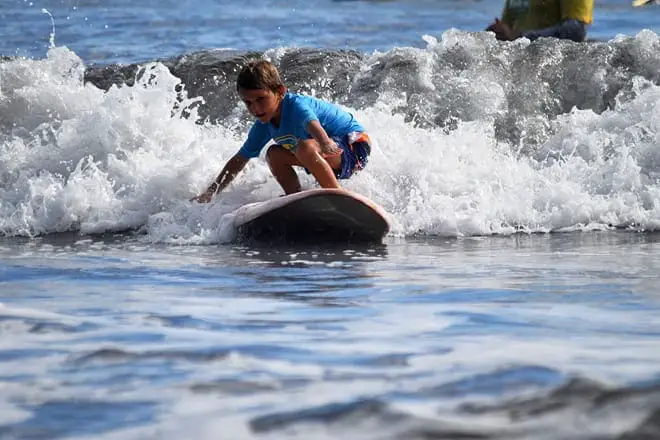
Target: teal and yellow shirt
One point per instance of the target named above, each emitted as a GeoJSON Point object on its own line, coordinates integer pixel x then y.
{"type": "Point", "coordinates": [525, 15]}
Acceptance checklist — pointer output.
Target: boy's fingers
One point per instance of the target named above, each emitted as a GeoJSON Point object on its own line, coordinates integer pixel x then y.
{"type": "Point", "coordinates": [203, 198]}
{"type": "Point", "coordinates": [331, 148]}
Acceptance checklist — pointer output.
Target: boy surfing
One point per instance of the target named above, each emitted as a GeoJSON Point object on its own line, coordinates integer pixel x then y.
{"type": "Point", "coordinates": [308, 132]}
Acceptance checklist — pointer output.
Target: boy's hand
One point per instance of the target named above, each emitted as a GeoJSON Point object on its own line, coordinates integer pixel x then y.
{"type": "Point", "coordinates": [330, 149]}
{"type": "Point", "coordinates": [205, 197]}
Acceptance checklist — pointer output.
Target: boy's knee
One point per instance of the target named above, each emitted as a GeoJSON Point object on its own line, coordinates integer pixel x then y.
{"type": "Point", "coordinates": [274, 152]}
{"type": "Point", "coordinates": [278, 156]}
{"type": "Point", "coordinates": [305, 149]}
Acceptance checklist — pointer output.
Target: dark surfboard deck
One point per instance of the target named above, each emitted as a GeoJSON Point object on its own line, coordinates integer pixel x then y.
{"type": "Point", "coordinates": [313, 216]}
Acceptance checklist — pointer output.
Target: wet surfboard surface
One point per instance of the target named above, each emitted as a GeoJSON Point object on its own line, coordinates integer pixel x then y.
{"type": "Point", "coordinates": [313, 216]}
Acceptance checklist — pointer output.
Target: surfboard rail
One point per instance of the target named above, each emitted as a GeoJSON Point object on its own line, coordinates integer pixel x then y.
{"type": "Point", "coordinates": [314, 215]}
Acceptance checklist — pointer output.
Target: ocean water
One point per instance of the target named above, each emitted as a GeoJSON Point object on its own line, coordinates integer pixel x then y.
{"type": "Point", "coordinates": [515, 297]}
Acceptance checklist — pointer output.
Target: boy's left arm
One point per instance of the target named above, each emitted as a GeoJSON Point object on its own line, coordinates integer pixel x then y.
{"type": "Point", "coordinates": [328, 146]}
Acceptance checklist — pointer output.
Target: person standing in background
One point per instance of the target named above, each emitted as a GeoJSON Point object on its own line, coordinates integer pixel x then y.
{"type": "Point", "coordinates": [565, 19]}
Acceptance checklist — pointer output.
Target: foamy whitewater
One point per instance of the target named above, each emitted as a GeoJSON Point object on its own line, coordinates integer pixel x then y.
{"type": "Point", "coordinates": [471, 138]}
{"type": "Point", "coordinates": [514, 298]}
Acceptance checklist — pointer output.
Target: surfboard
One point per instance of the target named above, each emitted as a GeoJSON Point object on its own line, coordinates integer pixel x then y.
{"type": "Point", "coordinates": [313, 216]}
{"type": "Point", "coordinates": [638, 3]}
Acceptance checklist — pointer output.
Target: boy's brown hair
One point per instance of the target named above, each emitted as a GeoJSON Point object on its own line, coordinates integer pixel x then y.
{"type": "Point", "coordinates": [259, 74]}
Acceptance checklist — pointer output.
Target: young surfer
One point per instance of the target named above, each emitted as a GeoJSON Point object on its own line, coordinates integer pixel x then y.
{"type": "Point", "coordinates": [307, 132]}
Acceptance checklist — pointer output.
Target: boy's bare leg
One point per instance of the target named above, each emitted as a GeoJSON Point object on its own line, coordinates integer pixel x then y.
{"type": "Point", "coordinates": [281, 164]}
{"type": "Point", "coordinates": [309, 155]}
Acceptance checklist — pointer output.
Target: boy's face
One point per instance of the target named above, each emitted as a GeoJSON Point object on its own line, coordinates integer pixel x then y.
{"type": "Point", "coordinates": [263, 104]}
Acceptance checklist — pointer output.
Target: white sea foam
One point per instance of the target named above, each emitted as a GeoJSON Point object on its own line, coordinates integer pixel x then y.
{"type": "Point", "coordinates": [77, 158]}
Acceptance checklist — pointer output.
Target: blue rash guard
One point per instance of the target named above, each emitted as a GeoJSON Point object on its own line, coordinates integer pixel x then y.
{"type": "Point", "coordinates": [296, 112]}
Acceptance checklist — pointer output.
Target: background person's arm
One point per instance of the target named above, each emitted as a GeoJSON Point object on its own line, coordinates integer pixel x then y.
{"type": "Point", "coordinates": [507, 15]}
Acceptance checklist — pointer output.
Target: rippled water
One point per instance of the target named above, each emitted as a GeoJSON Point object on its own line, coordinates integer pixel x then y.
{"type": "Point", "coordinates": [481, 337]}
{"type": "Point", "coordinates": [123, 31]}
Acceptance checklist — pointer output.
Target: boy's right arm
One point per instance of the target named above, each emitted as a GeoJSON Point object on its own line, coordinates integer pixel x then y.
{"type": "Point", "coordinates": [230, 170]}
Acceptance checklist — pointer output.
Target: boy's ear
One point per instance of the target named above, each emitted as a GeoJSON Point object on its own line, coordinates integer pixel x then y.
{"type": "Point", "coordinates": [282, 91]}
